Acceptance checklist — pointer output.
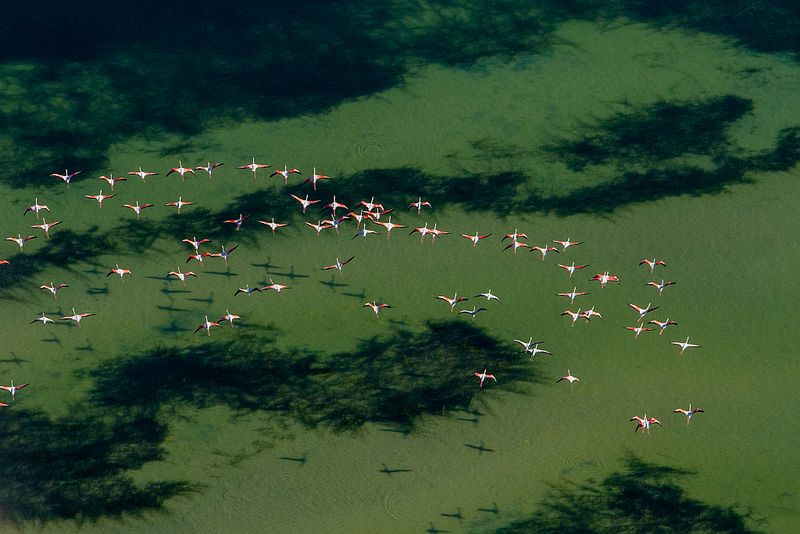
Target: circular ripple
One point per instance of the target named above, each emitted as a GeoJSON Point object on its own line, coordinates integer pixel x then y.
{"type": "Point", "coordinates": [389, 506]}
{"type": "Point", "coordinates": [369, 148]}
{"type": "Point", "coordinates": [581, 463]}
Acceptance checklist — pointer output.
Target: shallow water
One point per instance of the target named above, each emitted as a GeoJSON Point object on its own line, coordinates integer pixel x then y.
{"type": "Point", "coordinates": [568, 139]}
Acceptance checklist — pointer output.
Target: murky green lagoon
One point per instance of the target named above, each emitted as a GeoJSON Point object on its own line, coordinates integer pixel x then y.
{"type": "Point", "coordinates": [631, 133]}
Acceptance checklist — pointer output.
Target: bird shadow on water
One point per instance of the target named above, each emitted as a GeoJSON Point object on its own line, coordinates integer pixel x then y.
{"type": "Point", "coordinates": [641, 497]}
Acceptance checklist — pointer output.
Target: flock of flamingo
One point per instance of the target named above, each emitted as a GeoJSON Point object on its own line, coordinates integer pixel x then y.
{"type": "Point", "coordinates": [366, 211]}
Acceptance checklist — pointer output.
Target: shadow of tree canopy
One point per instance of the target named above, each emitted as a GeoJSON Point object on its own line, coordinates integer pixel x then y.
{"type": "Point", "coordinates": [74, 85]}
{"type": "Point", "coordinates": [760, 25]}
{"type": "Point", "coordinates": [74, 468]}
{"type": "Point", "coordinates": [651, 153]}
{"type": "Point", "coordinates": [659, 132]}
{"type": "Point", "coordinates": [642, 498]}
{"type": "Point", "coordinates": [396, 379]}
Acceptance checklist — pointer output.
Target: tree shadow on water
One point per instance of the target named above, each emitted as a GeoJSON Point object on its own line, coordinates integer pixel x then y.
{"type": "Point", "coordinates": [663, 150]}
{"type": "Point", "coordinates": [66, 100]}
{"type": "Point", "coordinates": [74, 468]}
{"type": "Point", "coordinates": [391, 380]}
{"type": "Point", "coordinates": [641, 498]}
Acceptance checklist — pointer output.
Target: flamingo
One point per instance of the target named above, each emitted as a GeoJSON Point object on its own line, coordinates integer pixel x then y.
{"type": "Point", "coordinates": [514, 236]}
{"type": "Point", "coordinates": [515, 244]}
{"type": "Point", "coordinates": [273, 225]}
{"type": "Point", "coordinates": [573, 294]}
{"type": "Point", "coordinates": [435, 232]}
{"type": "Point", "coordinates": [371, 205]}
{"type": "Point", "coordinates": [5, 262]}
{"type": "Point", "coordinates": [45, 226]}
{"type": "Point", "coordinates": [685, 344]}
{"type": "Point", "coordinates": [179, 204]}
{"type": "Point", "coordinates": [181, 275]}
{"type": "Point", "coordinates": [119, 271]}
{"type": "Point", "coordinates": [604, 278]}
{"type": "Point", "coordinates": [111, 180]}
{"type": "Point", "coordinates": [334, 222]}
{"type": "Point", "coordinates": [275, 287]}
{"type": "Point", "coordinates": [638, 329]}
{"type": "Point", "coordinates": [338, 265]}
{"type": "Point", "coordinates": [644, 422]}
{"type": "Point", "coordinates": [19, 240]}
{"type": "Point", "coordinates": [142, 174]}
{"type": "Point", "coordinates": [43, 319]}
{"type": "Point", "coordinates": [67, 176]}
{"type": "Point", "coordinates": [195, 243]}
{"type": "Point", "coordinates": [319, 227]}
{"type": "Point", "coordinates": [588, 314]}
{"type": "Point", "coordinates": [662, 325]}
{"type": "Point", "coordinates": [423, 231]}
{"type": "Point", "coordinates": [230, 317]}
{"type": "Point", "coordinates": [575, 315]}
{"type": "Point", "coordinates": [375, 307]}
{"type": "Point", "coordinates": [689, 413]}
{"type": "Point", "coordinates": [544, 250]}
{"type": "Point", "coordinates": [314, 178]}
{"type": "Point", "coordinates": [36, 208]}
{"type": "Point", "coordinates": [488, 296]}
{"type": "Point", "coordinates": [76, 317]}
{"type": "Point", "coordinates": [643, 311]}
{"type": "Point", "coordinates": [359, 217]}
{"type": "Point", "coordinates": [180, 169]}
{"type": "Point", "coordinates": [364, 232]}
{"type": "Point", "coordinates": [53, 288]}
{"type": "Point", "coordinates": [452, 301]}
{"type": "Point", "coordinates": [389, 225]}
{"type": "Point", "coordinates": [100, 197]}
{"type": "Point", "coordinates": [199, 256]}
{"type": "Point", "coordinates": [483, 376]}
{"type": "Point", "coordinates": [304, 201]}
{"type": "Point", "coordinates": [569, 378]}
{"type": "Point", "coordinates": [13, 389]}
{"type": "Point", "coordinates": [566, 244]}
{"type": "Point", "coordinates": [527, 345]}
{"type": "Point", "coordinates": [209, 168]}
{"type": "Point", "coordinates": [660, 285]}
{"type": "Point", "coordinates": [571, 268]}
{"type": "Point", "coordinates": [475, 238]}
{"type": "Point", "coordinates": [137, 208]}
{"type": "Point", "coordinates": [224, 253]}
{"type": "Point", "coordinates": [652, 263]}
{"type": "Point", "coordinates": [247, 290]}
{"type": "Point", "coordinates": [536, 350]}
{"type": "Point", "coordinates": [333, 205]}
{"type": "Point", "coordinates": [377, 214]}
{"type": "Point", "coordinates": [473, 312]}
{"type": "Point", "coordinates": [419, 204]}
{"type": "Point", "coordinates": [238, 221]}
{"type": "Point", "coordinates": [285, 173]}
{"type": "Point", "coordinates": [207, 325]}
{"type": "Point", "coordinates": [254, 167]}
